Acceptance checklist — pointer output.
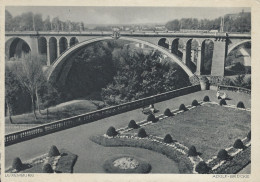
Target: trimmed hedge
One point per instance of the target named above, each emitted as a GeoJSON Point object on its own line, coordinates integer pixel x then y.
{"type": "Point", "coordinates": [152, 118]}
{"type": "Point", "coordinates": [17, 164]}
{"type": "Point", "coordinates": [202, 168]}
{"type": "Point", "coordinates": [183, 107]}
{"type": "Point", "coordinates": [223, 154]}
{"type": "Point", "coordinates": [142, 133]}
{"type": "Point", "coordinates": [206, 99]}
{"type": "Point", "coordinates": [222, 102]}
{"type": "Point", "coordinates": [240, 105]}
{"type": "Point", "coordinates": [238, 144]}
{"type": "Point", "coordinates": [192, 151]}
{"type": "Point", "coordinates": [168, 112]}
{"type": "Point", "coordinates": [53, 151]}
{"type": "Point", "coordinates": [132, 124]}
{"type": "Point", "coordinates": [47, 168]}
{"type": "Point", "coordinates": [194, 103]}
{"type": "Point", "coordinates": [184, 164]}
{"type": "Point", "coordinates": [168, 138]}
{"type": "Point", "coordinates": [111, 131]}
{"type": "Point", "coordinates": [249, 135]}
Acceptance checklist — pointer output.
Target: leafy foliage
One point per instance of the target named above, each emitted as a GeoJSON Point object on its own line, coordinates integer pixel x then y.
{"type": "Point", "coordinates": [206, 99]}
{"type": "Point", "coordinates": [111, 131]}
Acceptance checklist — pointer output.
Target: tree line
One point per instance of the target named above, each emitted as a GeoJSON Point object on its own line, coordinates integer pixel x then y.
{"type": "Point", "coordinates": [236, 23]}
{"type": "Point", "coordinates": [35, 22]}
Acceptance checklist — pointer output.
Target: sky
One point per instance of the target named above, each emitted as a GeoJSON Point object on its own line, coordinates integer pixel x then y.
{"type": "Point", "coordinates": [124, 15]}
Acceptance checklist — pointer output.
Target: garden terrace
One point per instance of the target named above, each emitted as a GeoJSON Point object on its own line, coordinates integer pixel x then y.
{"type": "Point", "coordinates": [76, 139]}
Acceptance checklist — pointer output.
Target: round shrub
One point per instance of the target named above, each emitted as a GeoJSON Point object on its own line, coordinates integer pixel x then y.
{"type": "Point", "coordinates": [152, 118]}
{"type": "Point", "coordinates": [192, 151]}
{"type": "Point", "coordinates": [53, 151]}
{"type": "Point", "coordinates": [168, 138]}
{"type": "Point", "coordinates": [47, 168]}
{"type": "Point", "coordinates": [240, 105]}
{"type": "Point", "coordinates": [142, 133]}
{"type": "Point", "coordinates": [183, 107]}
{"type": "Point", "coordinates": [132, 124]}
{"type": "Point", "coordinates": [111, 131]}
{"type": "Point", "coordinates": [194, 103]}
{"type": "Point", "coordinates": [202, 168]}
{"type": "Point", "coordinates": [222, 102]}
{"type": "Point", "coordinates": [17, 164]}
{"type": "Point", "coordinates": [168, 112]}
{"type": "Point", "coordinates": [238, 144]}
{"type": "Point", "coordinates": [206, 99]}
{"type": "Point", "coordinates": [249, 135]}
{"type": "Point", "coordinates": [223, 155]}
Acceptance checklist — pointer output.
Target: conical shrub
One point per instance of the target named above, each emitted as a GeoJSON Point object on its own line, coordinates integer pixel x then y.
{"type": "Point", "coordinates": [206, 99]}
{"type": "Point", "coordinates": [53, 151]}
{"type": "Point", "coordinates": [194, 103]}
{"type": "Point", "coordinates": [183, 107]}
{"type": "Point", "coordinates": [240, 105]}
{"type": "Point", "coordinates": [249, 135]}
{"type": "Point", "coordinates": [223, 154]}
{"type": "Point", "coordinates": [17, 164]}
{"type": "Point", "coordinates": [152, 118]}
{"type": "Point", "coordinates": [168, 138]}
{"type": "Point", "coordinates": [238, 144]}
{"type": "Point", "coordinates": [202, 168]}
{"type": "Point", "coordinates": [168, 112]}
{"type": "Point", "coordinates": [192, 151]}
{"type": "Point", "coordinates": [111, 131]}
{"type": "Point", "coordinates": [222, 102]}
{"type": "Point", "coordinates": [47, 168]}
{"type": "Point", "coordinates": [142, 133]}
{"type": "Point", "coordinates": [132, 124]}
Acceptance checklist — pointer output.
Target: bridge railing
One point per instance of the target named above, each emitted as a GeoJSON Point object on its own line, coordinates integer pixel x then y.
{"type": "Point", "coordinates": [63, 124]}
{"type": "Point", "coordinates": [234, 89]}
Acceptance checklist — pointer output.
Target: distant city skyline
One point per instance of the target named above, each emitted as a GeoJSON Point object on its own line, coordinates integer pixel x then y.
{"type": "Point", "coordinates": [125, 15]}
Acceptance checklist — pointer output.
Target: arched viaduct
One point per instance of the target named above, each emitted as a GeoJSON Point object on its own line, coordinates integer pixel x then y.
{"type": "Point", "coordinates": [59, 46]}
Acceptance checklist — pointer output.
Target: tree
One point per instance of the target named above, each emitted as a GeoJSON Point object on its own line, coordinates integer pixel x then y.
{"type": "Point", "coordinates": [30, 75]}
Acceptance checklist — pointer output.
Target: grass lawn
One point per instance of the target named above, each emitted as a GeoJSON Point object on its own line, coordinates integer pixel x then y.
{"type": "Point", "coordinates": [209, 128]}
{"type": "Point", "coordinates": [61, 111]}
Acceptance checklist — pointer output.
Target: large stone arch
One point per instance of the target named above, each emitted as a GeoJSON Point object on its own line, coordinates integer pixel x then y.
{"type": "Point", "coordinates": [236, 45]}
{"type": "Point", "coordinates": [63, 64]}
{"type": "Point", "coordinates": [16, 47]}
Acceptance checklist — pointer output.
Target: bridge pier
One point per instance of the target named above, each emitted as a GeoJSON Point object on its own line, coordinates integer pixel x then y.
{"type": "Point", "coordinates": [200, 59]}
{"type": "Point", "coordinates": [219, 57]}
{"type": "Point", "coordinates": [48, 53]}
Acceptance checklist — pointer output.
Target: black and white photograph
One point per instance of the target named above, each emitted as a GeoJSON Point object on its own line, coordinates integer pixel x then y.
{"type": "Point", "coordinates": [127, 90]}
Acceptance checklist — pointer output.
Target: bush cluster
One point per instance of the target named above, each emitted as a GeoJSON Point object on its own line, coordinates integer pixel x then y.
{"type": "Point", "coordinates": [142, 133]}
{"type": "Point", "coordinates": [168, 138]}
{"type": "Point", "coordinates": [111, 131]}
{"type": "Point", "coordinates": [238, 144]}
{"type": "Point", "coordinates": [202, 168]}
{"type": "Point", "coordinates": [192, 151]}
{"type": "Point", "coordinates": [206, 99]}
{"type": "Point", "coordinates": [223, 154]}
{"type": "Point", "coordinates": [168, 112]}
{"type": "Point", "coordinates": [152, 118]}
{"type": "Point", "coordinates": [240, 105]}
{"type": "Point", "coordinates": [47, 168]}
{"type": "Point", "coordinates": [17, 164]}
{"type": "Point", "coordinates": [222, 102]}
{"type": "Point", "coordinates": [194, 103]}
{"type": "Point", "coordinates": [53, 151]}
{"type": "Point", "coordinates": [132, 124]}
{"type": "Point", "coordinates": [183, 107]}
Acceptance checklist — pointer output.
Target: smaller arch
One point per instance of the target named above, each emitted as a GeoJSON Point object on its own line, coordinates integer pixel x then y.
{"type": "Point", "coordinates": [164, 42]}
{"type": "Point", "coordinates": [73, 41]}
{"type": "Point", "coordinates": [52, 49]}
{"type": "Point", "coordinates": [42, 45]}
{"type": "Point", "coordinates": [237, 44]}
{"type": "Point", "coordinates": [63, 44]}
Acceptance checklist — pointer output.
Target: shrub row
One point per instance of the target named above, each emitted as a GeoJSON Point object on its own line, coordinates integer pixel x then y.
{"type": "Point", "coordinates": [184, 164]}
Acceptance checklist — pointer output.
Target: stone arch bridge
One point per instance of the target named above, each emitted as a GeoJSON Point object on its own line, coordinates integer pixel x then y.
{"type": "Point", "coordinates": [59, 46]}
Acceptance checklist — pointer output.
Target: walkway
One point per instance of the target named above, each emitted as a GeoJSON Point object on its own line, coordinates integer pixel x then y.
{"type": "Point", "coordinates": [91, 155]}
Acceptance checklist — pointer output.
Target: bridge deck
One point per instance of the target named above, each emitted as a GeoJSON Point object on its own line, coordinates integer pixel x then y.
{"type": "Point", "coordinates": [91, 155]}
